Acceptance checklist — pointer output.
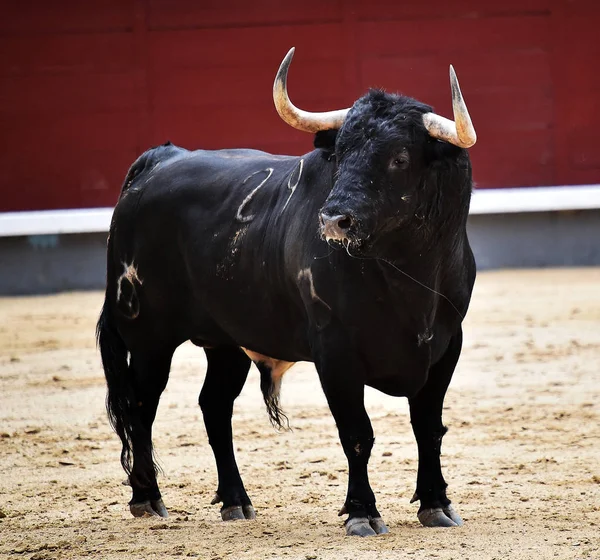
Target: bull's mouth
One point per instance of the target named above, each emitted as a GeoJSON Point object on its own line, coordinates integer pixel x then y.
{"type": "Point", "coordinates": [351, 243]}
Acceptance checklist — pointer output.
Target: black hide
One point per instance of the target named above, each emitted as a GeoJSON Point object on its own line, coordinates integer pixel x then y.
{"type": "Point", "coordinates": [224, 248]}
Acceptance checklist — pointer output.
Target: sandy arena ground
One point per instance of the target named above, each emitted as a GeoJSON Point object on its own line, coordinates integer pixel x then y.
{"type": "Point", "coordinates": [522, 456]}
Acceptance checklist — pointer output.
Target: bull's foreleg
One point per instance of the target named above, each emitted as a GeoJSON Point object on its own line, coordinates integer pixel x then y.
{"type": "Point", "coordinates": [344, 389]}
{"type": "Point", "coordinates": [225, 378]}
{"type": "Point", "coordinates": [426, 417]}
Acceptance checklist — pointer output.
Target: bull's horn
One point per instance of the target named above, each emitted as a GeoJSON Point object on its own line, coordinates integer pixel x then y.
{"type": "Point", "coordinates": [302, 120]}
{"type": "Point", "coordinates": [459, 132]}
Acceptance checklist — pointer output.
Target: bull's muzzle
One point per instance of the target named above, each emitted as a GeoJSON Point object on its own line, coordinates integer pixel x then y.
{"type": "Point", "coordinates": [335, 227]}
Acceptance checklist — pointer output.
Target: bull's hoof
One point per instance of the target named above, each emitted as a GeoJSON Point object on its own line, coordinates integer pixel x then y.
{"type": "Point", "coordinates": [378, 525]}
{"type": "Point", "coordinates": [359, 527]}
{"type": "Point", "coordinates": [233, 513]}
{"type": "Point", "coordinates": [453, 514]}
{"type": "Point", "coordinates": [365, 527]}
{"type": "Point", "coordinates": [149, 508]}
{"type": "Point", "coordinates": [440, 517]}
{"type": "Point", "coordinates": [249, 512]}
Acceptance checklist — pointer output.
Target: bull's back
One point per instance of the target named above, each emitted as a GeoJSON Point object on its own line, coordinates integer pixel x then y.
{"type": "Point", "coordinates": [195, 232]}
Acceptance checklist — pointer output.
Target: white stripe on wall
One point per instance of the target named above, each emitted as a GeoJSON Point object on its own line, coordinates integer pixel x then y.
{"type": "Point", "coordinates": [485, 201]}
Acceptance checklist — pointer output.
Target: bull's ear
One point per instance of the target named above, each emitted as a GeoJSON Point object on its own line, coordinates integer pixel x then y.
{"type": "Point", "coordinates": [325, 140]}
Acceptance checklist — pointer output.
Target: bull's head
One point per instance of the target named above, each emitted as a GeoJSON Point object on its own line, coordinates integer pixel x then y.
{"type": "Point", "coordinates": [384, 146]}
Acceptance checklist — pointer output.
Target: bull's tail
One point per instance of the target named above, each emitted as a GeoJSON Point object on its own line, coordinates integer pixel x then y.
{"type": "Point", "coordinates": [120, 395]}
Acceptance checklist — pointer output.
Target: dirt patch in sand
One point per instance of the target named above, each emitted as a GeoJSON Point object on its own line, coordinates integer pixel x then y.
{"type": "Point", "coordinates": [522, 456]}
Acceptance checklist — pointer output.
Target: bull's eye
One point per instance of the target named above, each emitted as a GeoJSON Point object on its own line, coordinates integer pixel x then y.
{"type": "Point", "coordinates": [400, 161]}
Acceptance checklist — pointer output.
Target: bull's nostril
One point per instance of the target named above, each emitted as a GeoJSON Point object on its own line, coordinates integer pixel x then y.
{"type": "Point", "coordinates": [335, 227]}
{"type": "Point", "coordinates": [344, 223]}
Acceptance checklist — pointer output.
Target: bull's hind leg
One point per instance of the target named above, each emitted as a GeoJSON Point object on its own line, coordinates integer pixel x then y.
{"type": "Point", "coordinates": [227, 372]}
{"type": "Point", "coordinates": [149, 372]}
{"type": "Point", "coordinates": [426, 417]}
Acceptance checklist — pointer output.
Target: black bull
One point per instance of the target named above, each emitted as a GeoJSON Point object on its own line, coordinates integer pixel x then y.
{"type": "Point", "coordinates": [353, 256]}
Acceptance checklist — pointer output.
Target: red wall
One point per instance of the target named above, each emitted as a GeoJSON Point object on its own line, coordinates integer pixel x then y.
{"type": "Point", "coordinates": [87, 86]}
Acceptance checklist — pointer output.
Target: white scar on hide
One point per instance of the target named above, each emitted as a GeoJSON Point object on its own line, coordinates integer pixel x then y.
{"type": "Point", "coordinates": [425, 337]}
{"type": "Point", "coordinates": [249, 218]}
{"type": "Point", "coordinates": [130, 274]}
{"type": "Point", "coordinates": [291, 187]}
{"type": "Point", "coordinates": [277, 367]}
{"type": "Point", "coordinates": [306, 274]}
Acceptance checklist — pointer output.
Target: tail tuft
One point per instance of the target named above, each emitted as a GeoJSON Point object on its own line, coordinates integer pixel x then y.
{"type": "Point", "coordinates": [119, 396]}
{"type": "Point", "coordinates": [270, 390]}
